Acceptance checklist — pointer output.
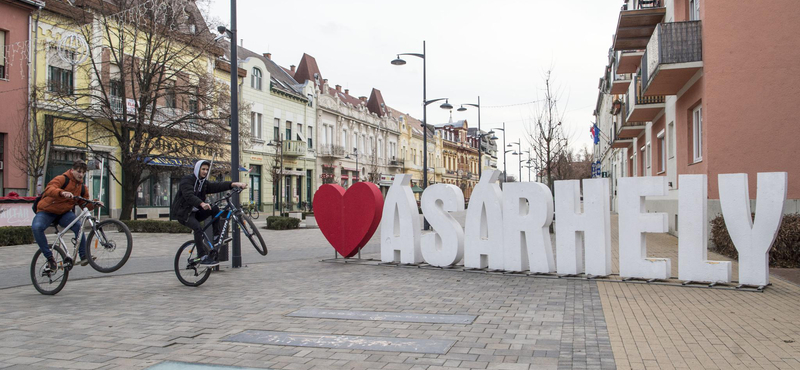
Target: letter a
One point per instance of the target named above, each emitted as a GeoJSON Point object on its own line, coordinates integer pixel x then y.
{"type": "Point", "coordinates": [400, 224]}
{"type": "Point", "coordinates": [483, 239]}
{"type": "Point", "coordinates": [753, 240]}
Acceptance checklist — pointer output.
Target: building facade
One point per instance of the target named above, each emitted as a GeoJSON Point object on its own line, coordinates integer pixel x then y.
{"type": "Point", "coordinates": [679, 95]}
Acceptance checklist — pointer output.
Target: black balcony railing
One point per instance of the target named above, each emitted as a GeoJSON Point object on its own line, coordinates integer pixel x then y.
{"type": "Point", "coordinates": [638, 98]}
{"type": "Point", "coordinates": [674, 42]}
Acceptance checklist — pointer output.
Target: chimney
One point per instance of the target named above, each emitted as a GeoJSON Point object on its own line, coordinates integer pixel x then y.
{"type": "Point", "coordinates": [268, 56]}
{"type": "Point", "coordinates": [347, 91]}
{"type": "Point", "coordinates": [292, 68]}
{"type": "Point", "coordinates": [338, 88]}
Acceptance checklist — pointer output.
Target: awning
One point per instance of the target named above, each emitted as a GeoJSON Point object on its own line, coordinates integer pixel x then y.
{"type": "Point", "coordinates": [416, 189]}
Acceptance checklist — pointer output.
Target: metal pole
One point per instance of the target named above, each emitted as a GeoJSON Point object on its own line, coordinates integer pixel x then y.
{"type": "Point", "coordinates": [480, 140]}
{"type": "Point", "coordinates": [505, 174]}
{"type": "Point", "coordinates": [236, 258]}
{"type": "Point", "coordinates": [424, 128]}
{"type": "Point", "coordinates": [519, 150]}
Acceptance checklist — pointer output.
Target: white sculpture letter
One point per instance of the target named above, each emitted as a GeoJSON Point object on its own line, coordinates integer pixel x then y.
{"type": "Point", "coordinates": [590, 230]}
{"type": "Point", "coordinates": [753, 240]}
{"type": "Point", "coordinates": [693, 263]}
{"type": "Point", "coordinates": [527, 215]}
{"type": "Point", "coordinates": [445, 245]}
{"type": "Point", "coordinates": [634, 223]}
{"type": "Point", "coordinates": [483, 243]}
{"type": "Point", "coordinates": [400, 224]}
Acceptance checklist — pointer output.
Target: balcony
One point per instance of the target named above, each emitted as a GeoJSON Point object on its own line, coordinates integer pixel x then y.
{"type": "Point", "coordinates": [294, 148]}
{"type": "Point", "coordinates": [330, 151]}
{"type": "Point", "coordinates": [117, 104]}
{"type": "Point", "coordinates": [621, 83]}
{"type": "Point", "coordinates": [640, 108]}
{"type": "Point", "coordinates": [634, 27]}
{"type": "Point", "coordinates": [397, 163]}
{"type": "Point", "coordinates": [674, 55]}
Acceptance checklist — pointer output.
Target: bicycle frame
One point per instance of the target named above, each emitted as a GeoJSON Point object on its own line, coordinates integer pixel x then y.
{"type": "Point", "coordinates": [86, 215]}
{"type": "Point", "coordinates": [231, 210]}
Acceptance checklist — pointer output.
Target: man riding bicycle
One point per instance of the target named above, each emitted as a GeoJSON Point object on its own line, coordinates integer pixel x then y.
{"type": "Point", "coordinates": [190, 206]}
{"type": "Point", "coordinates": [56, 205]}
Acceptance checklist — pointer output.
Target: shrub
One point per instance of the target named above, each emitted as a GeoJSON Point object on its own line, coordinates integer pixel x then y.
{"type": "Point", "coordinates": [15, 235]}
{"type": "Point", "coordinates": [785, 250]}
{"type": "Point", "coordinates": [282, 223]}
{"type": "Point", "coordinates": [156, 226]}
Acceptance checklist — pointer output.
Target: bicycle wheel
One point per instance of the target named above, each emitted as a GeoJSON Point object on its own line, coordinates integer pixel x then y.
{"type": "Point", "coordinates": [254, 214]}
{"type": "Point", "coordinates": [48, 283]}
{"type": "Point", "coordinates": [189, 271]}
{"type": "Point", "coordinates": [251, 231]}
{"type": "Point", "coordinates": [111, 247]}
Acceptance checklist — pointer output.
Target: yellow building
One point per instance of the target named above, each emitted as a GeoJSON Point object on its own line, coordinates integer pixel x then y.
{"type": "Point", "coordinates": [91, 102]}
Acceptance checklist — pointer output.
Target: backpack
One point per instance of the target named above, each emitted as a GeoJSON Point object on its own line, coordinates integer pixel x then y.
{"type": "Point", "coordinates": [39, 197]}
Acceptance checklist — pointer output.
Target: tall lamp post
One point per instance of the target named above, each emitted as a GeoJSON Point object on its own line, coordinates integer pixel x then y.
{"type": "Point", "coordinates": [236, 258]}
{"type": "Point", "coordinates": [425, 102]}
{"type": "Point", "coordinates": [277, 143]}
{"type": "Point", "coordinates": [505, 174]}
{"type": "Point", "coordinates": [480, 142]}
{"type": "Point", "coordinates": [519, 153]}
{"type": "Point", "coordinates": [358, 171]}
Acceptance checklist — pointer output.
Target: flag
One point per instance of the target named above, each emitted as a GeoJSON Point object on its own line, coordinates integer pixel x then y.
{"type": "Point", "coordinates": [596, 134]}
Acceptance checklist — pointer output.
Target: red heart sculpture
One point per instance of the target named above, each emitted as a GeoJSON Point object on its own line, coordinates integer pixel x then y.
{"type": "Point", "coordinates": [348, 218]}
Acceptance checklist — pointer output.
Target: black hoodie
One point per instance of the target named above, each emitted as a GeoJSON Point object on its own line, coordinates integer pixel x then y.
{"type": "Point", "coordinates": [192, 191]}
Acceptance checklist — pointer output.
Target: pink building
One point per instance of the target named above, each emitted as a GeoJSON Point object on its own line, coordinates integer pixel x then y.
{"type": "Point", "coordinates": [15, 25]}
{"type": "Point", "coordinates": [702, 87]}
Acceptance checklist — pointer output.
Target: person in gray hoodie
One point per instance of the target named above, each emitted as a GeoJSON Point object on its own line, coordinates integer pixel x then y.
{"type": "Point", "coordinates": [190, 207]}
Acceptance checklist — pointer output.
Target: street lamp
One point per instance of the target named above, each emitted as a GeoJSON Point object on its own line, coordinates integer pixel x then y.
{"type": "Point", "coordinates": [358, 171]}
{"type": "Point", "coordinates": [480, 142]}
{"type": "Point", "coordinates": [236, 258]}
{"type": "Point", "coordinates": [277, 143]}
{"type": "Point", "coordinates": [519, 153]}
{"type": "Point", "coordinates": [425, 102]}
{"type": "Point", "coordinates": [505, 174]}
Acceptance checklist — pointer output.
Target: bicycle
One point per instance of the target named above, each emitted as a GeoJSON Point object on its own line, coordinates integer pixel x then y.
{"type": "Point", "coordinates": [251, 209]}
{"type": "Point", "coordinates": [103, 254]}
{"type": "Point", "coordinates": [187, 264]}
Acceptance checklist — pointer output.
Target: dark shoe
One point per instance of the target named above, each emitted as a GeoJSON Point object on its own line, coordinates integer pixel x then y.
{"type": "Point", "coordinates": [85, 261]}
{"type": "Point", "coordinates": [51, 265]}
{"type": "Point", "coordinates": [208, 262]}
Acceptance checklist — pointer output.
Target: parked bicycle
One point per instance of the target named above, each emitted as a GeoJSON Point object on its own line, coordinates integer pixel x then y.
{"type": "Point", "coordinates": [251, 209]}
{"type": "Point", "coordinates": [108, 247]}
{"type": "Point", "coordinates": [187, 264]}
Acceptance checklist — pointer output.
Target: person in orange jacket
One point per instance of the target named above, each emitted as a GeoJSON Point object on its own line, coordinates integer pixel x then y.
{"type": "Point", "coordinates": [57, 204]}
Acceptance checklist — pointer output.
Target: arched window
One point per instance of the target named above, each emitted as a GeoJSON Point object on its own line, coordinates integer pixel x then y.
{"type": "Point", "coordinates": [255, 80]}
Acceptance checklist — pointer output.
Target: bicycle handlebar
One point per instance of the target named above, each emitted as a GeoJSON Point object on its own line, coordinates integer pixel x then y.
{"type": "Point", "coordinates": [95, 203]}
{"type": "Point", "coordinates": [227, 197]}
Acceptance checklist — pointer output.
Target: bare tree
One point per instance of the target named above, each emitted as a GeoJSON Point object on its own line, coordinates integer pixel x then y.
{"type": "Point", "coordinates": [151, 88]}
{"type": "Point", "coordinates": [572, 166]}
{"type": "Point", "coordinates": [546, 134]}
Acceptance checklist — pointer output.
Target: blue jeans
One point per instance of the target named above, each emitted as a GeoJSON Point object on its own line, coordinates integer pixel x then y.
{"type": "Point", "coordinates": [43, 220]}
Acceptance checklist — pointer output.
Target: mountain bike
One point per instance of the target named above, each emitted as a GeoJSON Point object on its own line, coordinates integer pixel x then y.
{"type": "Point", "coordinates": [187, 263]}
{"type": "Point", "coordinates": [251, 209]}
{"type": "Point", "coordinates": [108, 247]}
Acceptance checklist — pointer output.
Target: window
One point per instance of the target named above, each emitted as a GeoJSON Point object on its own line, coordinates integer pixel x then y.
{"type": "Point", "coordinates": [288, 130]}
{"type": "Point", "coordinates": [344, 139]}
{"type": "Point", "coordinates": [60, 80]}
{"type": "Point", "coordinates": [3, 55]}
{"type": "Point", "coordinates": [671, 141]}
{"type": "Point", "coordinates": [697, 134]}
{"type": "Point", "coordinates": [310, 138]}
{"type": "Point", "coordinates": [255, 79]}
{"type": "Point", "coordinates": [116, 96]}
{"type": "Point", "coordinates": [662, 152]}
{"type": "Point", "coordinates": [694, 10]}
{"type": "Point", "coordinates": [255, 125]}
{"type": "Point", "coordinates": [311, 100]}
{"type": "Point", "coordinates": [299, 132]}
{"type": "Point", "coordinates": [170, 99]}
{"type": "Point", "coordinates": [276, 129]}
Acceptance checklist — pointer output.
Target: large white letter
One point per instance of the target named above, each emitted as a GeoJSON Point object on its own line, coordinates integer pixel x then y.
{"type": "Point", "coordinates": [483, 239]}
{"type": "Point", "coordinates": [527, 215]}
{"type": "Point", "coordinates": [591, 228]}
{"type": "Point", "coordinates": [753, 240]}
{"type": "Point", "coordinates": [693, 263]}
{"type": "Point", "coordinates": [634, 223]}
{"type": "Point", "coordinates": [445, 245]}
{"type": "Point", "coordinates": [400, 224]}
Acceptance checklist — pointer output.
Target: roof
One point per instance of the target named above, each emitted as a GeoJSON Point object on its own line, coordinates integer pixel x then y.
{"type": "Point", "coordinates": [375, 104]}
{"type": "Point", "coordinates": [347, 98]}
{"type": "Point", "coordinates": [307, 70]}
{"type": "Point", "coordinates": [458, 124]}
{"type": "Point", "coordinates": [279, 78]}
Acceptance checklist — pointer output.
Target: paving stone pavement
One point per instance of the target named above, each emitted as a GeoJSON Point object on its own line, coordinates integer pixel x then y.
{"type": "Point", "coordinates": [138, 320]}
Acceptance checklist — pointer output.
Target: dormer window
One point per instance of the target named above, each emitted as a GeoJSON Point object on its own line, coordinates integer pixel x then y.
{"type": "Point", "coordinates": [255, 79]}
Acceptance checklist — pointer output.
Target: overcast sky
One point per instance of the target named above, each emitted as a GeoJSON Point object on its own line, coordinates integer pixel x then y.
{"type": "Point", "coordinates": [498, 50]}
